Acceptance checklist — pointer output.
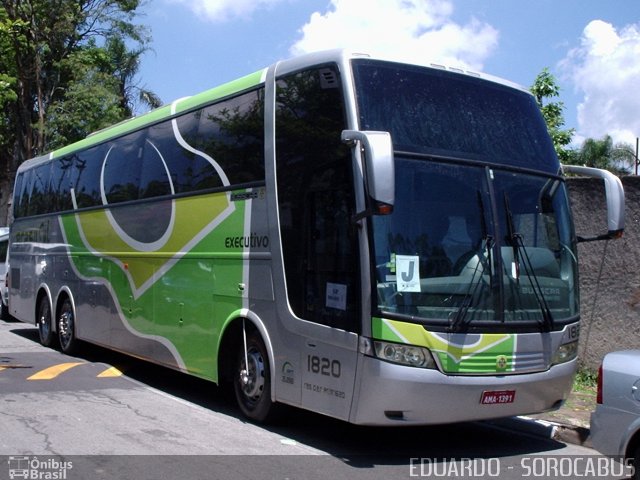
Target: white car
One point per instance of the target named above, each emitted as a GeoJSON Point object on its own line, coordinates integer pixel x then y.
{"type": "Point", "coordinates": [615, 423]}
{"type": "Point", "coordinates": [4, 292]}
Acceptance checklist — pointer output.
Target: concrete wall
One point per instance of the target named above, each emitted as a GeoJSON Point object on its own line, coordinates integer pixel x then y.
{"type": "Point", "coordinates": [609, 271]}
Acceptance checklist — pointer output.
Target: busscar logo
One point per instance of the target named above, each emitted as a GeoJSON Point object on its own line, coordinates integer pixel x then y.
{"type": "Point", "coordinates": [38, 468]}
{"type": "Point", "coordinates": [288, 373]}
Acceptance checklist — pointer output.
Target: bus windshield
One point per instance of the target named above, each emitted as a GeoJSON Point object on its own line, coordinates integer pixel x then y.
{"type": "Point", "coordinates": [480, 235]}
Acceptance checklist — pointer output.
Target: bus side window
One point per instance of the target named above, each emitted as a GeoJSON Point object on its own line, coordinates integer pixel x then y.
{"type": "Point", "coordinates": [316, 200]}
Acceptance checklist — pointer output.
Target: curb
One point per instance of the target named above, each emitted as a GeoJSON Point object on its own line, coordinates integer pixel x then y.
{"type": "Point", "coordinates": [566, 433]}
{"type": "Point", "coordinates": [560, 432]}
{"type": "Point", "coordinates": [574, 435]}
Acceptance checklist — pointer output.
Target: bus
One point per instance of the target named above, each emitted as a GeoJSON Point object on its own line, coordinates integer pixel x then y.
{"type": "Point", "coordinates": [379, 242]}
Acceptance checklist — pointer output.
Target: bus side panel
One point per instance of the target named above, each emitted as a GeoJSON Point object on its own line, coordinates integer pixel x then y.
{"type": "Point", "coordinates": [35, 245]}
{"type": "Point", "coordinates": [168, 302]}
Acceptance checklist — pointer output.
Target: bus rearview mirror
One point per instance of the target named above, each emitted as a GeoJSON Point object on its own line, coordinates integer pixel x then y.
{"type": "Point", "coordinates": [378, 165]}
{"type": "Point", "coordinates": [615, 199]}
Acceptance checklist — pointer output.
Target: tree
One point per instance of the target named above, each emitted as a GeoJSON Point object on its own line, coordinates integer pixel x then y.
{"type": "Point", "coordinates": [91, 102]}
{"type": "Point", "coordinates": [102, 91]}
{"type": "Point", "coordinates": [544, 89]}
{"type": "Point", "coordinates": [58, 78]}
{"type": "Point", "coordinates": [596, 153]}
{"type": "Point", "coordinates": [124, 66]}
{"type": "Point", "coordinates": [624, 157]}
{"type": "Point", "coordinates": [618, 158]}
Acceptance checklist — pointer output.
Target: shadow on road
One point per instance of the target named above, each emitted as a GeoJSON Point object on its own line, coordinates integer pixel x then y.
{"type": "Point", "coordinates": [358, 446]}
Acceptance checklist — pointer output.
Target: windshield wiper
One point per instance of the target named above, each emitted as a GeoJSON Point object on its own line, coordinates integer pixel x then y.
{"type": "Point", "coordinates": [459, 318]}
{"type": "Point", "coordinates": [517, 243]}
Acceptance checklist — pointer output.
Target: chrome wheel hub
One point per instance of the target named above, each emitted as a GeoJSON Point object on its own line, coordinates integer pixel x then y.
{"type": "Point", "coordinates": [252, 378]}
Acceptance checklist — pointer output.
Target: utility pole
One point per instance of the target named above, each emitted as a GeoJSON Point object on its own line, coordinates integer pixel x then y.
{"type": "Point", "coordinates": [637, 161]}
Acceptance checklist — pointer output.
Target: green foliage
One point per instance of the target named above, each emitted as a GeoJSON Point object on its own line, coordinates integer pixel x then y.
{"type": "Point", "coordinates": [618, 158]}
{"type": "Point", "coordinates": [624, 157]}
{"type": "Point", "coordinates": [585, 380]}
{"type": "Point", "coordinates": [91, 102]}
{"type": "Point", "coordinates": [544, 89]}
{"type": "Point", "coordinates": [596, 153]}
{"type": "Point", "coordinates": [67, 67]}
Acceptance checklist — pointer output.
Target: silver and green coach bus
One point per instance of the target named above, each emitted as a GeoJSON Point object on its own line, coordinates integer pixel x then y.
{"type": "Point", "coordinates": [384, 243]}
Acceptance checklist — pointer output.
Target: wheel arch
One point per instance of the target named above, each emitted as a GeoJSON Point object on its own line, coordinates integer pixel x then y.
{"type": "Point", "coordinates": [633, 444]}
{"type": "Point", "coordinates": [231, 337]}
{"type": "Point", "coordinates": [43, 291]}
{"type": "Point", "coordinates": [63, 294]}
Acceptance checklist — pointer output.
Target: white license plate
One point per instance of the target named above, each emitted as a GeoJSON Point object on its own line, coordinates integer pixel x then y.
{"type": "Point", "coordinates": [496, 397]}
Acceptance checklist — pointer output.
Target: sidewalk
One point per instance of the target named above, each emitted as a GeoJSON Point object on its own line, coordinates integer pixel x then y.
{"type": "Point", "coordinates": [570, 424]}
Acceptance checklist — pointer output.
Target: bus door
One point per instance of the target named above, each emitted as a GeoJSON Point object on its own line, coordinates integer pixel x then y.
{"type": "Point", "coordinates": [316, 204]}
{"type": "Point", "coordinates": [330, 289]}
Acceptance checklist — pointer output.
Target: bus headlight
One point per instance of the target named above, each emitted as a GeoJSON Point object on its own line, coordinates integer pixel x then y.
{"type": "Point", "coordinates": [404, 354]}
{"type": "Point", "coordinates": [565, 353]}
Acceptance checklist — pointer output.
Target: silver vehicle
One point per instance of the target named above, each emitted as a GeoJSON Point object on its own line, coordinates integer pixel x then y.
{"type": "Point", "coordinates": [4, 294]}
{"type": "Point", "coordinates": [615, 423]}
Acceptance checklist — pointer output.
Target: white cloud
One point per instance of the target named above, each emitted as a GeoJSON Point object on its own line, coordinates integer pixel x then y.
{"type": "Point", "coordinates": [223, 10]}
{"type": "Point", "coordinates": [605, 69]}
{"type": "Point", "coordinates": [415, 30]}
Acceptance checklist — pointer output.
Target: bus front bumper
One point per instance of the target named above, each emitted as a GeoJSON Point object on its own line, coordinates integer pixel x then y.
{"type": "Point", "coordinates": [391, 394]}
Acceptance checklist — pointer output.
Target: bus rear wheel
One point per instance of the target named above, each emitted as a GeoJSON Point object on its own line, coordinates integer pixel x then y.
{"type": "Point", "coordinates": [252, 380]}
{"type": "Point", "coordinates": [67, 328]}
{"type": "Point", "coordinates": [45, 330]}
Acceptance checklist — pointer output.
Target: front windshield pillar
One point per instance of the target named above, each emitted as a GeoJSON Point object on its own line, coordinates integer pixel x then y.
{"type": "Point", "coordinates": [496, 273]}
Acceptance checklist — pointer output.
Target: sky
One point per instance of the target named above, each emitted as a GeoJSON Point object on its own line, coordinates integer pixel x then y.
{"type": "Point", "coordinates": [592, 47]}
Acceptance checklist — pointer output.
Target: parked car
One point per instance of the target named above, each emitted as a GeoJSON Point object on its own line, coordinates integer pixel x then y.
{"type": "Point", "coordinates": [615, 423]}
{"type": "Point", "coordinates": [4, 292]}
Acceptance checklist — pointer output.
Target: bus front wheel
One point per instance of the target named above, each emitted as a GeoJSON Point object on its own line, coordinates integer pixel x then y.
{"type": "Point", "coordinates": [252, 380]}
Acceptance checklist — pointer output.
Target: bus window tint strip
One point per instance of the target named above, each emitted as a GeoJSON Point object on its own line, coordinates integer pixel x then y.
{"type": "Point", "coordinates": [135, 166]}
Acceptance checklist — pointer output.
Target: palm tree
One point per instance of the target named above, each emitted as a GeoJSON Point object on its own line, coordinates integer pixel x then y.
{"type": "Point", "coordinates": [624, 155]}
{"type": "Point", "coordinates": [596, 153]}
{"type": "Point", "coordinates": [618, 158]}
{"type": "Point", "coordinates": [126, 65]}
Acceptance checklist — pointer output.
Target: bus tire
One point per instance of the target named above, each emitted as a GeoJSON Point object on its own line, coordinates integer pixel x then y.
{"type": "Point", "coordinates": [45, 325]}
{"type": "Point", "coordinates": [4, 311]}
{"type": "Point", "coordinates": [67, 328]}
{"type": "Point", "coordinates": [253, 391]}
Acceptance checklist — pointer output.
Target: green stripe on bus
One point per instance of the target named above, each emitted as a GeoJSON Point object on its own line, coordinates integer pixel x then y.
{"type": "Point", "coordinates": [491, 353]}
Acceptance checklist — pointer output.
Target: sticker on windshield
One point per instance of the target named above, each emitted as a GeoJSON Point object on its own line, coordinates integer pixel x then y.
{"type": "Point", "coordinates": [336, 296]}
{"type": "Point", "coordinates": [408, 273]}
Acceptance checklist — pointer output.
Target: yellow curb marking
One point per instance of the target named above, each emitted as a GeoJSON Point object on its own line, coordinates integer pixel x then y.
{"type": "Point", "coordinates": [110, 372]}
{"type": "Point", "coordinates": [53, 372]}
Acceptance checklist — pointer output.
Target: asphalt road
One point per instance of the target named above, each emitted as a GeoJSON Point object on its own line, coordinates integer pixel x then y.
{"type": "Point", "coordinates": [102, 415]}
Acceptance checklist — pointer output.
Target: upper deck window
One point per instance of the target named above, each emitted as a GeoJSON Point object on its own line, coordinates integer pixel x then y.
{"type": "Point", "coordinates": [440, 112]}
